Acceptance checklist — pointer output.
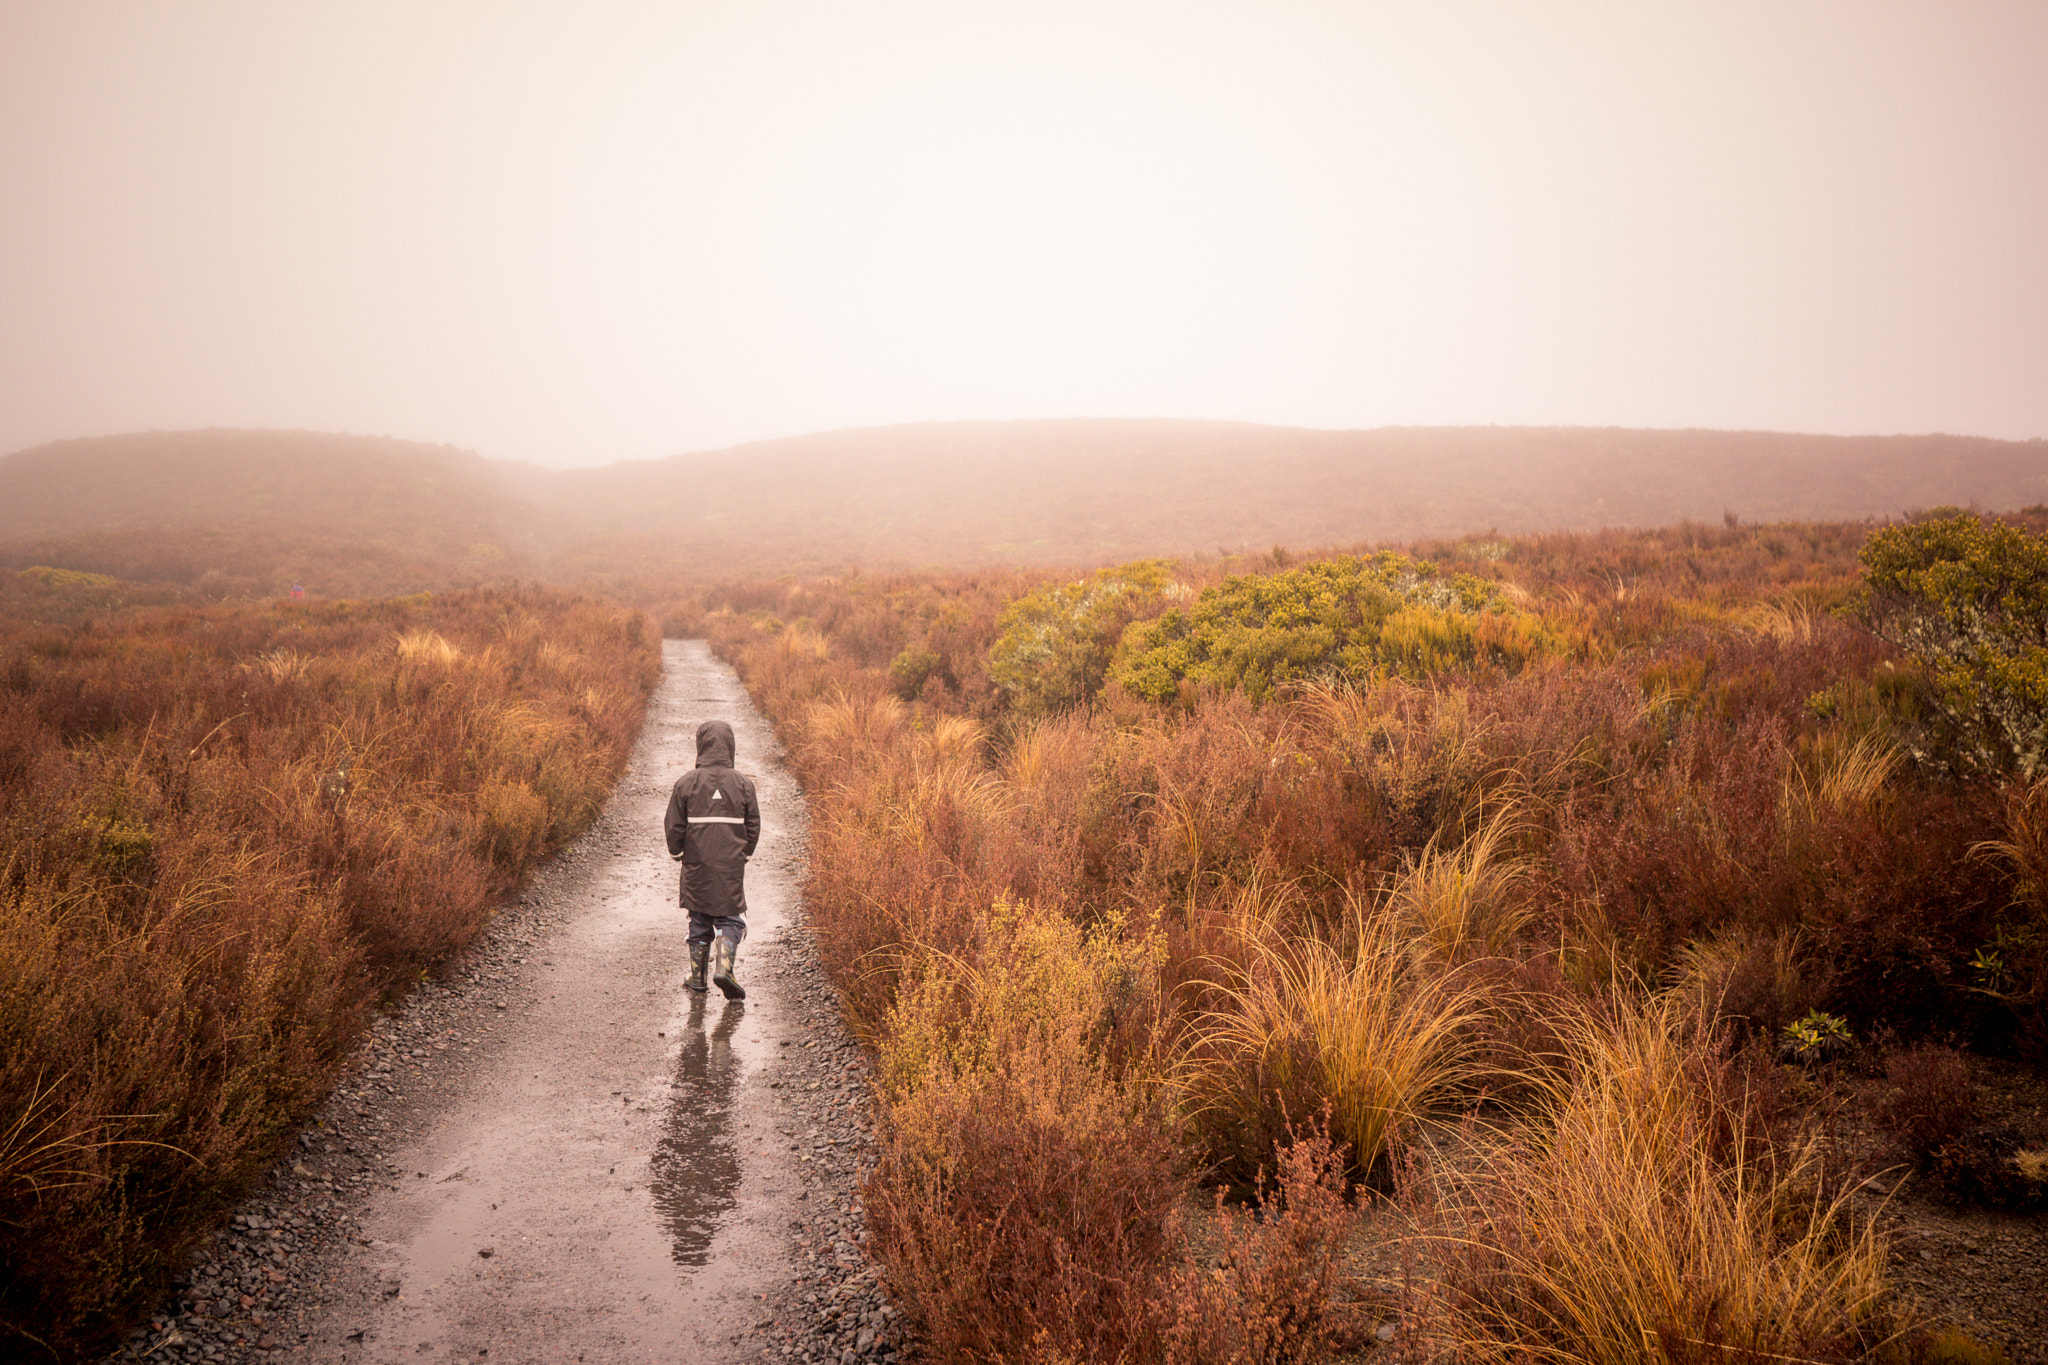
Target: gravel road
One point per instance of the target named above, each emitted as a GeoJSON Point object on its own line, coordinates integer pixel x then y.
{"type": "Point", "coordinates": [558, 1152]}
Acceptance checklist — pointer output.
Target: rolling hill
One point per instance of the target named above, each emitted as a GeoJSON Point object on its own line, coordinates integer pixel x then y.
{"type": "Point", "coordinates": [258, 510]}
{"type": "Point", "coordinates": [1107, 490]}
{"type": "Point", "coordinates": [255, 511]}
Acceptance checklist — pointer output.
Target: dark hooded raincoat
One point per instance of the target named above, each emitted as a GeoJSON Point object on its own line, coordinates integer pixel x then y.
{"type": "Point", "coordinates": [713, 824]}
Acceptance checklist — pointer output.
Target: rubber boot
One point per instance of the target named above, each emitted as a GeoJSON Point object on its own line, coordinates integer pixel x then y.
{"type": "Point", "coordinates": [700, 953]}
{"type": "Point", "coordinates": [722, 977]}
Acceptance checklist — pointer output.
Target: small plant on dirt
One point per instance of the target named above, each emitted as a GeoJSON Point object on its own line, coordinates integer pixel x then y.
{"type": "Point", "coordinates": [1930, 1102]}
{"type": "Point", "coordinates": [1815, 1037]}
{"type": "Point", "coordinates": [1263, 1296]}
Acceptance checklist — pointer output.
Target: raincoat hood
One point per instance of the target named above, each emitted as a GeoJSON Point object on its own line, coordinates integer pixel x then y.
{"type": "Point", "coordinates": [714, 744]}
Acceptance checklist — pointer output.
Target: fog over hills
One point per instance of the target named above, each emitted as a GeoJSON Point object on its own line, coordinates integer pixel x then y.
{"type": "Point", "coordinates": [256, 505]}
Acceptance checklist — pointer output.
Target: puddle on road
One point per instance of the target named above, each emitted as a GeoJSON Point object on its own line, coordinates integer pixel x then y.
{"type": "Point", "coordinates": [696, 1164]}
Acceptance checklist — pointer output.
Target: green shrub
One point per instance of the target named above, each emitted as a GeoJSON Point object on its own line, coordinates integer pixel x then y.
{"type": "Point", "coordinates": [1053, 646]}
{"type": "Point", "coordinates": [1969, 599]}
{"type": "Point", "coordinates": [58, 580]}
{"type": "Point", "coordinates": [1371, 617]}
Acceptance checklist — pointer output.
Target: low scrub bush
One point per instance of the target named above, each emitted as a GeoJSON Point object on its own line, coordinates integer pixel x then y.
{"type": "Point", "coordinates": [1029, 1193]}
{"type": "Point", "coordinates": [2010, 966]}
{"type": "Point", "coordinates": [1260, 1292]}
{"type": "Point", "coordinates": [1362, 617]}
{"type": "Point", "coordinates": [1968, 596]}
{"type": "Point", "coordinates": [1053, 647]}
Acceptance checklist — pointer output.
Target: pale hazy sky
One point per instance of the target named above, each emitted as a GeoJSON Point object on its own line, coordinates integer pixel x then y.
{"type": "Point", "coordinates": [579, 232]}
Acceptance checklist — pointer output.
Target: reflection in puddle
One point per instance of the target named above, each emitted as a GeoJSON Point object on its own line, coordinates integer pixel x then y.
{"type": "Point", "coordinates": [697, 1162]}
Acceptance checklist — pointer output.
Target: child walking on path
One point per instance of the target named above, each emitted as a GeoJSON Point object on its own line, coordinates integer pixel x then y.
{"type": "Point", "coordinates": [712, 826]}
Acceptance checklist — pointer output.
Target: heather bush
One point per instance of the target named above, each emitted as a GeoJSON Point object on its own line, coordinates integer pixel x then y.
{"type": "Point", "coordinates": [1261, 1292]}
{"type": "Point", "coordinates": [1030, 1186]}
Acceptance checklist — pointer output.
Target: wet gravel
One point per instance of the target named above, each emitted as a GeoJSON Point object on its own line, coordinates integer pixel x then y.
{"type": "Point", "coordinates": [247, 1291]}
{"type": "Point", "coordinates": [833, 1309]}
{"type": "Point", "coordinates": [1985, 1273]}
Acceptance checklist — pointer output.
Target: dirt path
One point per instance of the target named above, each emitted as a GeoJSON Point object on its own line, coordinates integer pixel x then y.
{"type": "Point", "coordinates": [561, 1153]}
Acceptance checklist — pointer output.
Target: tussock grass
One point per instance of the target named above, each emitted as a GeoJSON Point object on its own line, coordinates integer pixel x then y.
{"type": "Point", "coordinates": [1043, 758]}
{"type": "Point", "coordinates": [1368, 1033]}
{"type": "Point", "coordinates": [868, 723]}
{"type": "Point", "coordinates": [1646, 1222]}
{"type": "Point", "coordinates": [1791, 621]}
{"type": "Point", "coordinates": [429, 647]}
{"type": "Point", "coordinates": [1844, 777]}
{"type": "Point", "coordinates": [1463, 902]}
{"type": "Point", "coordinates": [1032, 977]}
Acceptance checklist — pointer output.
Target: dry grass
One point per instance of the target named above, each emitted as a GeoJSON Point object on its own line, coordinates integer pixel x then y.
{"type": "Point", "coordinates": [1791, 621]}
{"type": "Point", "coordinates": [1844, 776]}
{"type": "Point", "coordinates": [1387, 899]}
{"type": "Point", "coordinates": [228, 833]}
{"type": "Point", "coordinates": [1368, 1033]}
{"type": "Point", "coordinates": [1644, 1222]}
{"type": "Point", "coordinates": [425, 646]}
{"type": "Point", "coordinates": [1460, 903]}
{"type": "Point", "coordinates": [866, 723]}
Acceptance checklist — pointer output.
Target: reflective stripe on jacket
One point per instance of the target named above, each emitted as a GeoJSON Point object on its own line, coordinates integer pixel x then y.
{"type": "Point", "coordinates": [712, 826]}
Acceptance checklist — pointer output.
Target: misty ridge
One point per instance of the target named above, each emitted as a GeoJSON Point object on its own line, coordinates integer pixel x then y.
{"type": "Point", "coordinates": [232, 512]}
